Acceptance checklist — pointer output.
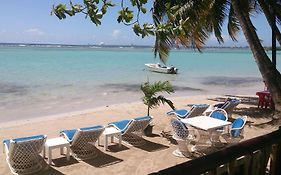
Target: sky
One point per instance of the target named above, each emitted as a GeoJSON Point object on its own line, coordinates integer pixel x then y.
{"type": "Point", "coordinates": [29, 21]}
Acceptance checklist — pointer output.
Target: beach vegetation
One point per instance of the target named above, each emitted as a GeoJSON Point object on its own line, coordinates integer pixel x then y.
{"type": "Point", "coordinates": [191, 23]}
{"type": "Point", "coordinates": [151, 97]}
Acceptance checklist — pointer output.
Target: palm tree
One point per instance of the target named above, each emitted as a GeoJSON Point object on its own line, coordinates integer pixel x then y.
{"type": "Point", "coordinates": [150, 92]}
{"type": "Point", "coordinates": [191, 22]}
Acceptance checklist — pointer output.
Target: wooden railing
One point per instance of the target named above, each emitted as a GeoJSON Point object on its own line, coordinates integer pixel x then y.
{"type": "Point", "coordinates": [257, 156]}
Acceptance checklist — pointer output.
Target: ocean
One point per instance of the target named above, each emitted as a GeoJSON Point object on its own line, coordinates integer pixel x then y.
{"type": "Point", "coordinates": [36, 81]}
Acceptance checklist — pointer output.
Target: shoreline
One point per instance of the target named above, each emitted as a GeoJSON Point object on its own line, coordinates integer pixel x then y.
{"type": "Point", "coordinates": [54, 108]}
{"type": "Point", "coordinates": [87, 111]}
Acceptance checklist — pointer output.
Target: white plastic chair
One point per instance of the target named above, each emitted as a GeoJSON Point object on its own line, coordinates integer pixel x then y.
{"type": "Point", "coordinates": [183, 137]}
{"type": "Point", "coordinates": [236, 132]}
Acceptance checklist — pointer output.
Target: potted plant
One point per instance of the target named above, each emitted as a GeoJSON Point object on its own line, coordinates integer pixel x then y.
{"type": "Point", "coordinates": [152, 99]}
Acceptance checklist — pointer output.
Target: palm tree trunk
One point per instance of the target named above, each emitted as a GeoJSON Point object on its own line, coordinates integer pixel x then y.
{"type": "Point", "coordinates": [265, 9]}
{"type": "Point", "coordinates": [269, 73]}
{"type": "Point", "coordinates": [148, 111]}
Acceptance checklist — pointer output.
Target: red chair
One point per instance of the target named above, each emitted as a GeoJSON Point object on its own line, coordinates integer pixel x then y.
{"type": "Point", "coordinates": [265, 99]}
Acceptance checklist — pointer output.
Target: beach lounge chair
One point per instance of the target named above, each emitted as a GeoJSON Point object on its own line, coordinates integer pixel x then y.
{"type": "Point", "coordinates": [82, 141]}
{"type": "Point", "coordinates": [228, 105]}
{"type": "Point", "coordinates": [237, 129]}
{"type": "Point", "coordinates": [183, 137]}
{"type": "Point", "coordinates": [196, 110]}
{"type": "Point", "coordinates": [23, 154]}
{"type": "Point", "coordinates": [132, 130]}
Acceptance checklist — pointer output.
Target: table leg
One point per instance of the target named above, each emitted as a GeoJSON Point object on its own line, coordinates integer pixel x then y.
{"type": "Point", "coordinates": [120, 140]}
{"type": "Point", "coordinates": [61, 150]}
{"type": "Point", "coordinates": [49, 156]}
{"type": "Point", "coordinates": [111, 139]}
{"type": "Point", "coordinates": [67, 153]}
{"type": "Point", "coordinates": [105, 142]}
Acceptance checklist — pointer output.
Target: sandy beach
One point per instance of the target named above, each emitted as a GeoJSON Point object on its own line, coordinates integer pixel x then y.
{"type": "Point", "coordinates": [155, 155]}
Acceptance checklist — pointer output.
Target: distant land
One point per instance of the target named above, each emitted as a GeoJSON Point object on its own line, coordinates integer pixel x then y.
{"type": "Point", "coordinates": [120, 46]}
{"type": "Point", "coordinates": [100, 45]}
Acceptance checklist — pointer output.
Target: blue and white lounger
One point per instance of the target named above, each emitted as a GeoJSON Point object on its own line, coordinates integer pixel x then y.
{"type": "Point", "coordinates": [132, 130]}
{"type": "Point", "coordinates": [23, 154]}
{"type": "Point", "coordinates": [82, 140]}
{"type": "Point", "coordinates": [196, 110]}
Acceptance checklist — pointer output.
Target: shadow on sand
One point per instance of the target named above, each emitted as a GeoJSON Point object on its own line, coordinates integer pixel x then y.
{"type": "Point", "coordinates": [152, 146]}
{"type": "Point", "coordinates": [102, 160]}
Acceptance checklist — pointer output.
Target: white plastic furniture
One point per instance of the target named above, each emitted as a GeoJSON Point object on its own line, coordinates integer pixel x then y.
{"type": "Point", "coordinates": [205, 123]}
{"type": "Point", "coordinates": [54, 143]}
{"type": "Point", "coordinates": [111, 132]}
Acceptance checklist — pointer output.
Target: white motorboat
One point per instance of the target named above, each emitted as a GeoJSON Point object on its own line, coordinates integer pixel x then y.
{"type": "Point", "coordinates": [161, 69]}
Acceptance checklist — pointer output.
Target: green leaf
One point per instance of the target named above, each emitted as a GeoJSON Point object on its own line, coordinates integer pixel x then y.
{"type": "Point", "coordinates": [99, 16]}
{"type": "Point", "coordinates": [137, 29]}
{"type": "Point", "coordinates": [143, 1]}
{"type": "Point", "coordinates": [143, 10]}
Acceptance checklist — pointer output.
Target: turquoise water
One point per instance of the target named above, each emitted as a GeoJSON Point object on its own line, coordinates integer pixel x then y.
{"type": "Point", "coordinates": [36, 81]}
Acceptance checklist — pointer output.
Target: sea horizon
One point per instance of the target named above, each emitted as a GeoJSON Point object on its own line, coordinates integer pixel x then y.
{"type": "Point", "coordinates": [23, 44]}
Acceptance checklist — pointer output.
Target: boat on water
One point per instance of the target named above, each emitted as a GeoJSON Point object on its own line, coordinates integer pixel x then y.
{"type": "Point", "coordinates": [161, 69]}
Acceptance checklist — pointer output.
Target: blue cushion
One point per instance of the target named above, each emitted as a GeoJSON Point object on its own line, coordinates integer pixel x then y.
{"type": "Point", "coordinates": [29, 138]}
{"type": "Point", "coordinates": [201, 105]}
{"type": "Point", "coordinates": [7, 141]}
{"type": "Point", "coordinates": [91, 128]}
{"type": "Point", "coordinates": [238, 123]}
{"type": "Point", "coordinates": [143, 118]}
{"type": "Point", "coordinates": [182, 113]}
{"type": "Point", "coordinates": [121, 125]}
{"type": "Point", "coordinates": [69, 133]}
{"type": "Point", "coordinates": [234, 101]}
{"type": "Point", "coordinates": [218, 115]}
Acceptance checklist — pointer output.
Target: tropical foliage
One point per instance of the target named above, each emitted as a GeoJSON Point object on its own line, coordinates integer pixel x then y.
{"type": "Point", "coordinates": [151, 97]}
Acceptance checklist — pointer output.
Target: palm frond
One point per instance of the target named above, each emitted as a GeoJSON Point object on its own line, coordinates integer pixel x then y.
{"type": "Point", "coordinates": [278, 12]}
{"type": "Point", "coordinates": [217, 16]}
{"type": "Point", "coordinates": [233, 25]}
{"type": "Point", "coordinates": [164, 100]}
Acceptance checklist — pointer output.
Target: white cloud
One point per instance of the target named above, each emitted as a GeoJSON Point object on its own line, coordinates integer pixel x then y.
{"type": "Point", "coordinates": [34, 31]}
{"type": "Point", "coordinates": [116, 33]}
